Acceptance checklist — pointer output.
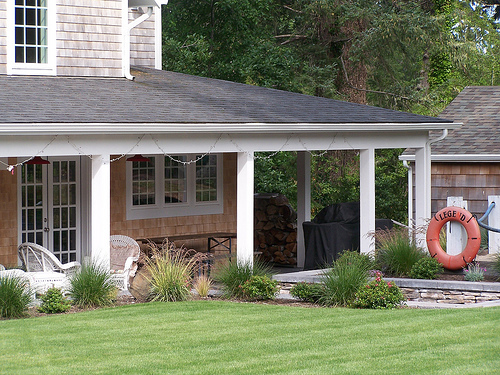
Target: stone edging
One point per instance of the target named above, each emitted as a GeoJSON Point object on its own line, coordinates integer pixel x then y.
{"type": "Point", "coordinates": [448, 292]}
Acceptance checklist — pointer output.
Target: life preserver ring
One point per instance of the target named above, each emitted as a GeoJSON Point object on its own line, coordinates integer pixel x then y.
{"type": "Point", "coordinates": [464, 217]}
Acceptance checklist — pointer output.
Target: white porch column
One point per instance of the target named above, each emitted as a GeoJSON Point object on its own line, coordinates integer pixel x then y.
{"type": "Point", "coordinates": [494, 222]}
{"type": "Point", "coordinates": [100, 210]}
{"type": "Point", "coordinates": [245, 208]}
{"type": "Point", "coordinates": [422, 191]}
{"type": "Point", "coordinates": [303, 201]}
{"type": "Point", "coordinates": [367, 200]}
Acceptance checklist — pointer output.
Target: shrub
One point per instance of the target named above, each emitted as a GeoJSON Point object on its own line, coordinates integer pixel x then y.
{"type": "Point", "coordinates": [54, 302]}
{"type": "Point", "coordinates": [15, 296]}
{"type": "Point", "coordinates": [474, 272]}
{"type": "Point", "coordinates": [378, 294]}
{"type": "Point", "coordinates": [234, 274]}
{"type": "Point", "coordinates": [202, 285]}
{"type": "Point", "coordinates": [426, 268]}
{"type": "Point", "coordinates": [396, 253]}
{"type": "Point", "coordinates": [260, 288]}
{"type": "Point", "coordinates": [307, 292]}
{"type": "Point", "coordinates": [496, 264]}
{"type": "Point", "coordinates": [92, 286]}
{"type": "Point", "coordinates": [347, 274]}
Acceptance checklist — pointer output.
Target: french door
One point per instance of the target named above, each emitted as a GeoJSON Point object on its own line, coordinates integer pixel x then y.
{"type": "Point", "coordinates": [50, 207]}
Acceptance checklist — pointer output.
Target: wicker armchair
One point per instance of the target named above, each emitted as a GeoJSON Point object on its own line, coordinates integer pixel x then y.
{"type": "Point", "coordinates": [36, 258]}
{"type": "Point", "coordinates": [124, 253]}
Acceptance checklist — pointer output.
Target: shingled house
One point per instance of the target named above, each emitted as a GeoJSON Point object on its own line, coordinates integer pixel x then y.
{"type": "Point", "coordinates": [72, 120]}
{"type": "Point", "coordinates": [467, 162]}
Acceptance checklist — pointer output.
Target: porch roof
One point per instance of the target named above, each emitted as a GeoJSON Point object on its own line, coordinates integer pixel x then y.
{"type": "Point", "coordinates": [164, 101]}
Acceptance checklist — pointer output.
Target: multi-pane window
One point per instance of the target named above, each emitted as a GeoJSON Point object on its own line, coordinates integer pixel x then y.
{"type": "Point", "coordinates": [206, 179]}
{"type": "Point", "coordinates": [31, 31]}
{"type": "Point", "coordinates": [168, 186]}
{"type": "Point", "coordinates": [175, 179]}
{"type": "Point", "coordinates": [143, 183]}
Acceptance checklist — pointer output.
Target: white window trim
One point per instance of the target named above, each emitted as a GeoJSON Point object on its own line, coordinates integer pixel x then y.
{"type": "Point", "coordinates": [161, 209]}
{"type": "Point", "coordinates": [49, 68]}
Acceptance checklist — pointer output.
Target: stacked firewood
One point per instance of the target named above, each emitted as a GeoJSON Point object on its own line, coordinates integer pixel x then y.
{"type": "Point", "coordinates": [275, 229]}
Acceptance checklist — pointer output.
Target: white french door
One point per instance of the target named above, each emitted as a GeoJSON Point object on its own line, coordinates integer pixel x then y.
{"type": "Point", "coordinates": [50, 206]}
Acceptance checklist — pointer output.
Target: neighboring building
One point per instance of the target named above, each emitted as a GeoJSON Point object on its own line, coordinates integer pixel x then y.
{"type": "Point", "coordinates": [63, 97]}
{"type": "Point", "coordinates": [467, 162]}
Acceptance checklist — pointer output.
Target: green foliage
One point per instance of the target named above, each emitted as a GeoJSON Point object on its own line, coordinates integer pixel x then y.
{"type": "Point", "coordinates": [260, 288]}
{"type": "Point", "coordinates": [496, 264]}
{"type": "Point", "coordinates": [15, 296]}
{"type": "Point", "coordinates": [378, 294]}
{"type": "Point", "coordinates": [426, 268]}
{"type": "Point", "coordinates": [307, 292]}
{"type": "Point", "coordinates": [395, 252]}
{"type": "Point", "coordinates": [474, 272]}
{"type": "Point", "coordinates": [54, 302]}
{"type": "Point", "coordinates": [233, 275]}
{"type": "Point", "coordinates": [170, 273]}
{"type": "Point", "coordinates": [92, 286]}
{"type": "Point", "coordinates": [347, 274]}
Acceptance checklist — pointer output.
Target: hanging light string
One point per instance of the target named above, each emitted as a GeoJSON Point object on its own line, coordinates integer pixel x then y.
{"type": "Point", "coordinates": [321, 153]}
{"type": "Point", "coordinates": [10, 167]}
{"type": "Point", "coordinates": [185, 162]}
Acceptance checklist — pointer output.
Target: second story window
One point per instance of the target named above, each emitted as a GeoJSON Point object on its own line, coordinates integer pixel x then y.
{"type": "Point", "coordinates": [31, 37]}
{"type": "Point", "coordinates": [31, 31]}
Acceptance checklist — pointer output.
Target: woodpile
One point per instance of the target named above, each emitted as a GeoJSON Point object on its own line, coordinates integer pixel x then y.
{"type": "Point", "coordinates": [275, 229]}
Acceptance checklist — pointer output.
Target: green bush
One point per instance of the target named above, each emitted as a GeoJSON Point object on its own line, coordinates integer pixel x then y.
{"type": "Point", "coordinates": [260, 288]}
{"type": "Point", "coordinates": [307, 292]}
{"type": "Point", "coordinates": [92, 286]}
{"type": "Point", "coordinates": [347, 274]}
{"type": "Point", "coordinates": [233, 274]}
{"type": "Point", "coordinates": [426, 268]}
{"type": "Point", "coordinates": [378, 294]}
{"type": "Point", "coordinates": [54, 302]}
{"type": "Point", "coordinates": [15, 296]}
{"type": "Point", "coordinates": [395, 253]}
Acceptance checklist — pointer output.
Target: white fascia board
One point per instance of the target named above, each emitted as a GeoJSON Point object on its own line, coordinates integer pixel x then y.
{"type": "Point", "coordinates": [136, 128]}
{"type": "Point", "coordinates": [458, 158]}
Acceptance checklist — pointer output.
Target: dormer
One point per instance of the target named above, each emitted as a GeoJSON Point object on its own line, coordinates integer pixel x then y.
{"type": "Point", "coordinates": [86, 38]}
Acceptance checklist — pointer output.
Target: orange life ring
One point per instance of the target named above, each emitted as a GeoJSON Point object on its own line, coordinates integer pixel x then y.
{"type": "Point", "coordinates": [464, 217]}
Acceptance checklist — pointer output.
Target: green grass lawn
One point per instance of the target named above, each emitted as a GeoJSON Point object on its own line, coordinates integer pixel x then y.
{"type": "Point", "coordinates": [207, 337]}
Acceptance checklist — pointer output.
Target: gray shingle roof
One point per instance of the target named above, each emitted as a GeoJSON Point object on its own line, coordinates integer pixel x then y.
{"type": "Point", "coordinates": [166, 97]}
{"type": "Point", "coordinates": [478, 108]}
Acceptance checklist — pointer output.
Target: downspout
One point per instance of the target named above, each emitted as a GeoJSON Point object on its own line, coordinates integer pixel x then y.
{"type": "Point", "coordinates": [126, 41]}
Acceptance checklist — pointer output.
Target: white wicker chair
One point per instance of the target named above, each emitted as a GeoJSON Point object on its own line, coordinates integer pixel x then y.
{"type": "Point", "coordinates": [124, 253]}
{"type": "Point", "coordinates": [36, 258]}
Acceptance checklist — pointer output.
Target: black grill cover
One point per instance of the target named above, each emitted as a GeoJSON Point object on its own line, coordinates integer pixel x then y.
{"type": "Point", "coordinates": [334, 229]}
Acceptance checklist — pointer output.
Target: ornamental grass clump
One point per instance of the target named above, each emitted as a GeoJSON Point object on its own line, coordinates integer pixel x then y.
{"type": "Point", "coordinates": [202, 285]}
{"type": "Point", "coordinates": [347, 274]}
{"type": "Point", "coordinates": [474, 272]}
{"type": "Point", "coordinates": [171, 271]}
{"type": "Point", "coordinates": [92, 286]}
{"type": "Point", "coordinates": [232, 275]}
{"type": "Point", "coordinates": [378, 294]}
{"type": "Point", "coordinates": [395, 252]}
{"type": "Point", "coordinates": [15, 296]}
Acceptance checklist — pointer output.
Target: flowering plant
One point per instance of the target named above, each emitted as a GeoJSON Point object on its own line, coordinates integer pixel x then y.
{"type": "Point", "coordinates": [474, 272]}
{"type": "Point", "coordinates": [378, 294]}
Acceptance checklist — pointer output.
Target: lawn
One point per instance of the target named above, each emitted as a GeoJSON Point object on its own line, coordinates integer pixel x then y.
{"type": "Point", "coordinates": [207, 337]}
